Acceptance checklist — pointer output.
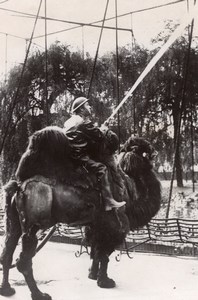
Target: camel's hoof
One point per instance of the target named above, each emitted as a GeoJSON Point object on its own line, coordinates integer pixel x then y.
{"type": "Point", "coordinates": [41, 296]}
{"type": "Point", "coordinates": [92, 275]}
{"type": "Point", "coordinates": [106, 283]}
{"type": "Point", "coordinates": [7, 290]}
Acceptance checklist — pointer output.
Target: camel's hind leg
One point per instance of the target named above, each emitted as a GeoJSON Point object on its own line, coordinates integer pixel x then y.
{"type": "Point", "coordinates": [12, 235]}
{"type": "Point", "coordinates": [93, 270]}
{"type": "Point", "coordinates": [24, 264]}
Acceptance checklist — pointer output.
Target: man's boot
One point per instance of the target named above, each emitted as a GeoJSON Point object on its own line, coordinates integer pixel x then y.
{"type": "Point", "coordinates": [109, 201]}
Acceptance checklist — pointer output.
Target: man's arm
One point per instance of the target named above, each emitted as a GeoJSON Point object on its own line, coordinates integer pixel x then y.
{"type": "Point", "coordinates": [73, 123]}
{"type": "Point", "coordinates": [91, 131]}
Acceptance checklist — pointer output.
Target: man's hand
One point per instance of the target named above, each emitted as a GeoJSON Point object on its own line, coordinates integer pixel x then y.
{"type": "Point", "coordinates": [104, 128]}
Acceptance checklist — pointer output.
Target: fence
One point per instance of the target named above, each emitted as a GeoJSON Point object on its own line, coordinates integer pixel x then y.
{"type": "Point", "coordinates": [166, 236]}
{"type": "Point", "coordinates": [171, 237]}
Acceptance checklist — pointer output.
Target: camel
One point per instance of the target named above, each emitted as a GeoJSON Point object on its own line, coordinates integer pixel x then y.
{"type": "Point", "coordinates": [51, 188]}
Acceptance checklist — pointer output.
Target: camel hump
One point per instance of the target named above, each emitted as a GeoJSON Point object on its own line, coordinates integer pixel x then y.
{"type": "Point", "coordinates": [35, 201]}
{"type": "Point", "coordinates": [47, 151]}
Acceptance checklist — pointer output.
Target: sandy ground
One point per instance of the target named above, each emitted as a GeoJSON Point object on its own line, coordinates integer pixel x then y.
{"type": "Point", "coordinates": [145, 277]}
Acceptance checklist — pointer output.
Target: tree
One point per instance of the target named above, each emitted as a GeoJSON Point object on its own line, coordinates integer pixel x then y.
{"type": "Point", "coordinates": [67, 77]}
{"type": "Point", "coordinates": [176, 89]}
{"type": "Point", "coordinates": [151, 111]}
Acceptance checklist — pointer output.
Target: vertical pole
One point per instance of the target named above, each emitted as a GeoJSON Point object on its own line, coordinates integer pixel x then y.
{"type": "Point", "coordinates": [83, 45]}
{"type": "Point", "coordinates": [192, 148]}
{"type": "Point", "coordinates": [132, 47]}
{"type": "Point", "coordinates": [117, 71]}
{"type": "Point", "coordinates": [46, 72]}
{"type": "Point", "coordinates": [97, 50]}
{"type": "Point", "coordinates": [6, 56]}
{"type": "Point", "coordinates": [132, 33]}
{"type": "Point", "coordinates": [182, 106]}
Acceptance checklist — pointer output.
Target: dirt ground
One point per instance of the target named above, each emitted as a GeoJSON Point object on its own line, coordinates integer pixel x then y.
{"type": "Point", "coordinates": [145, 277]}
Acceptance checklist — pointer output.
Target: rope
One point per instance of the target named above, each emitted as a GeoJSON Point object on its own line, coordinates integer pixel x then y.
{"type": "Point", "coordinates": [187, 19]}
{"type": "Point", "coordinates": [108, 19]}
{"type": "Point", "coordinates": [96, 56]}
{"type": "Point", "coordinates": [19, 85]}
{"type": "Point", "coordinates": [92, 24]}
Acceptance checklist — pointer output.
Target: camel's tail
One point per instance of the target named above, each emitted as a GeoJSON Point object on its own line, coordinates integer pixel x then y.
{"type": "Point", "coordinates": [9, 191]}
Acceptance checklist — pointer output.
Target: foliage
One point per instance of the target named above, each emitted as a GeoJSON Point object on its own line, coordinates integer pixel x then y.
{"type": "Point", "coordinates": [153, 111]}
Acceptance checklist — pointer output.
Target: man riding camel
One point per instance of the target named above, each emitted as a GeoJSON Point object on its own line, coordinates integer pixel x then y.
{"type": "Point", "coordinates": [83, 136]}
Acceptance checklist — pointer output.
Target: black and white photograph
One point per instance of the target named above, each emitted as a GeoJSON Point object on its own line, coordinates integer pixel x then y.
{"type": "Point", "coordinates": [98, 149]}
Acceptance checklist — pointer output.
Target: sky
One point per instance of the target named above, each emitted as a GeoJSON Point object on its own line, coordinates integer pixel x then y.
{"type": "Point", "coordinates": [16, 28]}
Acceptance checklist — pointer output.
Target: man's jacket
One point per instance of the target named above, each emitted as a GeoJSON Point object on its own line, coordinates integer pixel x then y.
{"type": "Point", "coordinates": [85, 138]}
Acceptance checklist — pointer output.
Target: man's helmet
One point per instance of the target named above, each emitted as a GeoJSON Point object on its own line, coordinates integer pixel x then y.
{"type": "Point", "coordinates": [78, 102]}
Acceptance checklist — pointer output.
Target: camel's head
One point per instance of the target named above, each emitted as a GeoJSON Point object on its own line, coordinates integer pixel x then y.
{"type": "Point", "coordinates": [136, 156]}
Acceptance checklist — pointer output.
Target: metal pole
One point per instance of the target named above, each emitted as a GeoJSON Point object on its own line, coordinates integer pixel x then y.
{"type": "Point", "coordinates": [83, 43]}
{"type": "Point", "coordinates": [192, 149]}
{"type": "Point", "coordinates": [97, 50]}
{"type": "Point", "coordinates": [6, 56]}
{"type": "Point", "coordinates": [132, 64]}
{"type": "Point", "coordinates": [117, 70]}
{"type": "Point", "coordinates": [182, 106]}
{"type": "Point", "coordinates": [187, 19]}
{"type": "Point", "coordinates": [46, 72]}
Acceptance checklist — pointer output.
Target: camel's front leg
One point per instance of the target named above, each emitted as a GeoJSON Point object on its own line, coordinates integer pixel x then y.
{"type": "Point", "coordinates": [98, 270]}
{"type": "Point", "coordinates": [24, 264]}
{"type": "Point", "coordinates": [103, 280]}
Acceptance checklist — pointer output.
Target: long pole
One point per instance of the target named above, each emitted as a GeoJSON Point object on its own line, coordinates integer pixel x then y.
{"type": "Point", "coordinates": [97, 50]}
{"type": "Point", "coordinates": [19, 85]}
{"type": "Point", "coordinates": [117, 70]}
{"type": "Point", "coordinates": [186, 20]}
{"type": "Point", "coordinates": [46, 71]}
{"type": "Point", "coordinates": [192, 148]}
{"type": "Point", "coordinates": [6, 56]}
{"type": "Point", "coordinates": [182, 106]}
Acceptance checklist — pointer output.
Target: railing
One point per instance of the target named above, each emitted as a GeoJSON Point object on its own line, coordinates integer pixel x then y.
{"type": "Point", "coordinates": [72, 235]}
{"type": "Point", "coordinates": [168, 230]}
{"type": "Point", "coordinates": [169, 236]}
